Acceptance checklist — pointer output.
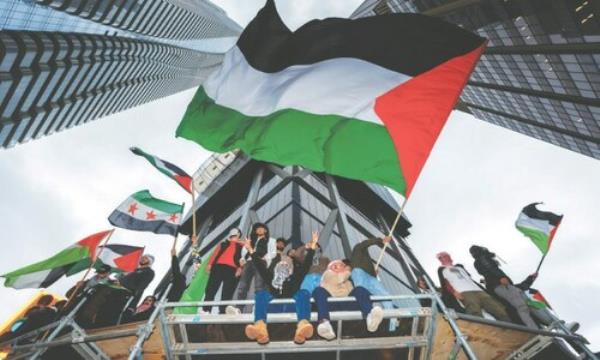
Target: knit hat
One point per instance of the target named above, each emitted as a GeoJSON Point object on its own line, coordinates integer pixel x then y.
{"type": "Point", "coordinates": [151, 258]}
{"type": "Point", "coordinates": [234, 232]}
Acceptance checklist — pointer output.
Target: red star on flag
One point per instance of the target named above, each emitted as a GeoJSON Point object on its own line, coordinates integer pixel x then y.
{"type": "Point", "coordinates": [173, 217]}
{"type": "Point", "coordinates": [150, 215]}
{"type": "Point", "coordinates": [132, 208]}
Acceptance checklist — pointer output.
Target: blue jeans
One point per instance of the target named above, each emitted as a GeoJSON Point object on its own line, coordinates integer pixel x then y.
{"type": "Point", "coordinates": [262, 300]}
{"type": "Point", "coordinates": [375, 287]}
{"type": "Point", "coordinates": [310, 282]}
{"type": "Point", "coordinates": [362, 303]}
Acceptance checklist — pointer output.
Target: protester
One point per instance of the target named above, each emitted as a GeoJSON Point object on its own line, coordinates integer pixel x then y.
{"type": "Point", "coordinates": [280, 244]}
{"type": "Point", "coordinates": [42, 314]}
{"type": "Point", "coordinates": [101, 277]}
{"type": "Point", "coordinates": [500, 284]}
{"type": "Point", "coordinates": [178, 284]}
{"type": "Point", "coordinates": [282, 282]}
{"type": "Point", "coordinates": [336, 283]}
{"type": "Point", "coordinates": [143, 311]}
{"type": "Point", "coordinates": [223, 266]}
{"type": "Point", "coordinates": [137, 281]}
{"type": "Point", "coordinates": [457, 283]}
{"type": "Point", "coordinates": [259, 238]}
{"type": "Point", "coordinates": [313, 279]}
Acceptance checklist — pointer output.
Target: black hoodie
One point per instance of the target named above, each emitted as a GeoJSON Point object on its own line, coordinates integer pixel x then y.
{"type": "Point", "coordinates": [260, 246]}
{"type": "Point", "coordinates": [487, 266]}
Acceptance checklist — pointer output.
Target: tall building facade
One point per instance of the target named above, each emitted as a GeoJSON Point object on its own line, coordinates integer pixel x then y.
{"type": "Point", "coordinates": [293, 202]}
{"type": "Point", "coordinates": [540, 74]}
{"type": "Point", "coordinates": [67, 62]}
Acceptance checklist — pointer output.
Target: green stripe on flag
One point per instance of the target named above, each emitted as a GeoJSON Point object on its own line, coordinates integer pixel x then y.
{"type": "Point", "coordinates": [195, 291]}
{"type": "Point", "coordinates": [145, 198]}
{"type": "Point", "coordinates": [539, 238]}
{"type": "Point", "coordinates": [338, 145]}
{"type": "Point", "coordinates": [67, 256]}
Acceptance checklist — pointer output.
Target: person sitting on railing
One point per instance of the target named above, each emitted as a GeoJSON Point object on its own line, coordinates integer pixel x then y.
{"type": "Point", "coordinates": [365, 275]}
{"type": "Point", "coordinates": [223, 266]}
{"type": "Point", "coordinates": [336, 283]}
{"type": "Point", "coordinates": [313, 279]}
{"type": "Point", "coordinates": [40, 315]}
{"type": "Point", "coordinates": [458, 287]}
{"type": "Point", "coordinates": [283, 282]}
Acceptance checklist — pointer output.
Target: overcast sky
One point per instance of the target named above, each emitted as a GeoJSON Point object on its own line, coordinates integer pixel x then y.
{"type": "Point", "coordinates": [61, 188]}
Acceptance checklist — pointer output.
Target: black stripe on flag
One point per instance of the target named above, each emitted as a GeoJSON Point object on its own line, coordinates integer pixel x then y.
{"type": "Point", "coordinates": [532, 212]}
{"type": "Point", "coordinates": [406, 43]}
{"type": "Point", "coordinates": [123, 249]}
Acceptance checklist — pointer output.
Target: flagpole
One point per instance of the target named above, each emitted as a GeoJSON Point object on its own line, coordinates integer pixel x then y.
{"type": "Point", "coordinates": [80, 282]}
{"type": "Point", "coordinates": [194, 240]}
{"type": "Point", "coordinates": [540, 264]}
{"type": "Point", "coordinates": [400, 212]}
{"type": "Point", "coordinates": [176, 233]}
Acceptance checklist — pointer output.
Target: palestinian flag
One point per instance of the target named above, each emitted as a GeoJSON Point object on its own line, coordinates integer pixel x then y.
{"type": "Point", "coordinates": [536, 300]}
{"type": "Point", "coordinates": [364, 99]}
{"type": "Point", "coordinates": [142, 212]}
{"type": "Point", "coordinates": [44, 273]}
{"type": "Point", "coordinates": [122, 258]}
{"type": "Point", "coordinates": [165, 167]}
{"type": "Point", "coordinates": [539, 226]}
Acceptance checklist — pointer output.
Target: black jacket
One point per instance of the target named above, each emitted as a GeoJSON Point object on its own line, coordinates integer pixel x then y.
{"type": "Point", "coordinates": [490, 270]}
{"type": "Point", "coordinates": [292, 283]}
{"type": "Point", "coordinates": [177, 281]}
{"type": "Point", "coordinates": [136, 282]}
{"type": "Point", "coordinates": [260, 246]}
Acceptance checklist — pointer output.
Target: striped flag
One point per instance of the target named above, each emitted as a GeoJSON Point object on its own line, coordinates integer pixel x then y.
{"type": "Point", "coordinates": [364, 99]}
{"type": "Point", "coordinates": [119, 257]}
{"type": "Point", "coordinates": [539, 226]}
{"type": "Point", "coordinates": [143, 212]}
{"type": "Point", "coordinates": [174, 172]}
{"type": "Point", "coordinates": [45, 273]}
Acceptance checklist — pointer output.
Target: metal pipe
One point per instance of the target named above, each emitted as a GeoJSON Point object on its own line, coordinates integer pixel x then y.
{"type": "Point", "coordinates": [511, 326]}
{"type": "Point", "coordinates": [146, 329]}
{"type": "Point", "coordinates": [457, 333]}
{"type": "Point", "coordinates": [79, 340]}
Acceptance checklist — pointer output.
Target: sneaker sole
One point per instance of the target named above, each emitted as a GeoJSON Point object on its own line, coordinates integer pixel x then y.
{"type": "Point", "coordinates": [376, 318]}
{"type": "Point", "coordinates": [326, 335]}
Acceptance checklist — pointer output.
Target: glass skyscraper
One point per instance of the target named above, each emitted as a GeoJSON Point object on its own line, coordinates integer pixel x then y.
{"type": "Point", "coordinates": [540, 74]}
{"type": "Point", "coordinates": [67, 62]}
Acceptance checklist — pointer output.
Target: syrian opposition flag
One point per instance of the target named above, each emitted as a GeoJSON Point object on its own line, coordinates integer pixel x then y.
{"type": "Point", "coordinates": [539, 226]}
{"type": "Point", "coordinates": [364, 99]}
{"type": "Point", "coordinates": [143, 212]}
{"type": "Point", "coordinates": [44, 273]}
{"type": "Point", "coordinates": [174, 172]}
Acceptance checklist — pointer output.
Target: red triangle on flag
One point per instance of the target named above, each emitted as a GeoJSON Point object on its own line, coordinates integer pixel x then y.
{"type": "Point", "coordinates": [130, 261]}
{"type": "Point", "coordinates": [91, 242]}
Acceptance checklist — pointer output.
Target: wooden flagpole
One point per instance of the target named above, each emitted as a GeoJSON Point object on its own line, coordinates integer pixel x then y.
{"type": "Point", "coordinates": [400, 212]}
{"type": "Point", "coordinates": [80, 282]}
{"type": "Point", "coordinates": [194, 240]}
{"type": "Point", "coordinates": [175, 236]}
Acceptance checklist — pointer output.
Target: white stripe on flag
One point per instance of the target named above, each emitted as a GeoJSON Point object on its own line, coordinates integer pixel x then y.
{"type": "Point", "coordinates": [535, 224]}
{"type": "Point", "coordinates": [342, 86]}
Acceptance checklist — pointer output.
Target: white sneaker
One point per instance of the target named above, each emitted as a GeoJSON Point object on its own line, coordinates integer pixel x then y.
{"type": "Point", "coordinates": [325, 330]}
{"type": "Point", "coordinates": [232, 310]}
{"type": "Point", "coordinates": [374, 318]}
{"type": "Point", "coordinates": [202, 312]}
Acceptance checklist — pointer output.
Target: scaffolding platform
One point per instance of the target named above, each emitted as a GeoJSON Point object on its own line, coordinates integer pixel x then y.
{"type": "Point", "coordinates": [428, 331]}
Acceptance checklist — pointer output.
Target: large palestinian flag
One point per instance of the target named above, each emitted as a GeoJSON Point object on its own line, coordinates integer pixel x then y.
{"type": "Point", "coordinates": [171, 170]}
{"type": "Point", "coordinates": [44, 273]}
{"type": "Point", "coordinates": [539, 226]}
{"type": "Point", "coordinates": [143, 212]}
{"type": "Point", "coordinates": [364, 99]}
{"type": "Point", "coordinates": [121, 258]}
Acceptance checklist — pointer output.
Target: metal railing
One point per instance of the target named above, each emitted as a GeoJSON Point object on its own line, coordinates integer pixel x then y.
{"type": "Point", "coordinates": [176, 339]}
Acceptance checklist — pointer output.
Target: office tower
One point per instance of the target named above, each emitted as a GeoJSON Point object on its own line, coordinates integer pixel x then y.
{"type": "Point", "coordinates": [540, 74]}
{"type": "Point", "coordinates": [66, 62]}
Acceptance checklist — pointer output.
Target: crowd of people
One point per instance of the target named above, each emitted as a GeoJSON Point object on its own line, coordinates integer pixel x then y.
{"type": "Point", "coordinates": [279, 271]}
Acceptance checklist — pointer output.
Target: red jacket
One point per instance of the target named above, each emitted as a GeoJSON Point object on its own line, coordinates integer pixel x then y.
{"type": "Point", "coordinates": [228, 253]}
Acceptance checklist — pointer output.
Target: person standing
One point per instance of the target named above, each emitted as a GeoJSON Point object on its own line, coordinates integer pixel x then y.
{"type": "Point", "coordinates": [457, 282]}
{"type": "Point", "coordinates": [223, 266]}
{"type": "Point", "coordinates": [500, 284]}
{"type": "Point", "coordinates": [137, 280]}
{"type": "Point", "coordinates": [259, 240]}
